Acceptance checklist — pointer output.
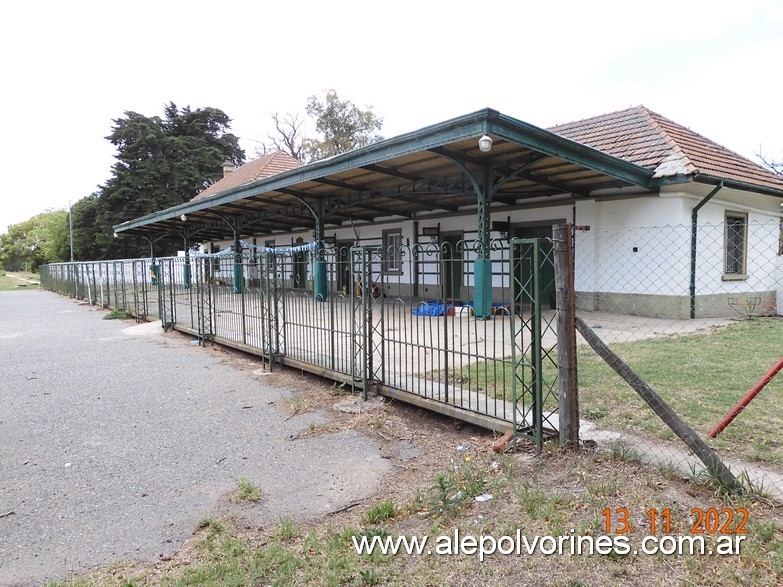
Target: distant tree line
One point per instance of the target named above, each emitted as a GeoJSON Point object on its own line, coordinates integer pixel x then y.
{"type": "Point", "coordinates": [41, 239]}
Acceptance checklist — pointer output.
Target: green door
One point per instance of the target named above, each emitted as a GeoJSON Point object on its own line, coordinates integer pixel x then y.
{"type": "Point", "coordinates": [299, 276]}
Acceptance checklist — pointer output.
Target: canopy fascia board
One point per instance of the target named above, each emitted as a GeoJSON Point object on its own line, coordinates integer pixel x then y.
{"type": "Point", "coordinates": [441, 134]}
{"type": "Point", "coordinates": [712, 180]}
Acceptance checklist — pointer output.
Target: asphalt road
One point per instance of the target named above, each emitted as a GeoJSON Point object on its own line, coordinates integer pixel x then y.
{"type": "Point", "coordinates": [115, 439]}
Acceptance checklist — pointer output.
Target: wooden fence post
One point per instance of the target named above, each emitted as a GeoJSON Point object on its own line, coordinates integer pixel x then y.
{"type": "Point", "coordinates": [567, 391]}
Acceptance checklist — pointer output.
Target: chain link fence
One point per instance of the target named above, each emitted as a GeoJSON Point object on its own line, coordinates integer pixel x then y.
{"type": "Point", "coordinates": [694, 315]}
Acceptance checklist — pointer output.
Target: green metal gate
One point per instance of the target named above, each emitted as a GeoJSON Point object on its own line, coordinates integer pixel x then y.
{"type": "Point", "coordinates": [367, 325]}
{"type": "Point", "coordinates": [163, 275]}
{"type": "Point", "coordinates": [534, 385]}
{"type": "Point", "coordinates": [203, 299]}
{"type": "Point", "coordinates": [272, 308]}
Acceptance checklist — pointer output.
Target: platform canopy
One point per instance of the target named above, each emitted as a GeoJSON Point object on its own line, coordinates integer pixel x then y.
{"type": "Point", "coordinates": [437, 171]}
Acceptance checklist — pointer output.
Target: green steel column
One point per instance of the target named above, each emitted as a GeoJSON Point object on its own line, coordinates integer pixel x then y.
{"type": "Point", "coordinates": [320, 289]}
{"type": "Point", "coordinates": [482, 304]}
{"type": "Point", "coordinates": [238, 277]}
{"type": "Point", "coordinates": [186, 272]}
{"type": "Point", "coordinates": [186, 268]}
{"type": "Point", "coordinates": [319, 277]}
{"type": "Point", "coordinates": [154, 267]}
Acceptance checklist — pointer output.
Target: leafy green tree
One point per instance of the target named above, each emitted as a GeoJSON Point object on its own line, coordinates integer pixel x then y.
{"type": "Point", "coordinates": [340, 124]}
{"type": "Point", "coordinates": [161, 162]}
{"type": "Point", "coordinates": [56, 245]}
{"type": "Point", "coordinates": [89, 235]}
{"type": "Point", "coordinates": [33, 242]}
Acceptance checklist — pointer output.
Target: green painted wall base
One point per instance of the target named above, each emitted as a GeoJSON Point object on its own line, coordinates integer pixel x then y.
{"type": "Point", "coordinates": [186, 275]}
{"type": "Point", "coordinates": [482, 303]}
{"type": "Point", "coordinates": [320, 289]}
{"type": "Point", "coordinates": [239, 281]}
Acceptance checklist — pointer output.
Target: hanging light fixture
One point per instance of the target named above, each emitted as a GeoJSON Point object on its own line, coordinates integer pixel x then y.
{"type": "Point", "coordinates": [183, 218]}
{"type": "Point", "coordinates": [485, 144]}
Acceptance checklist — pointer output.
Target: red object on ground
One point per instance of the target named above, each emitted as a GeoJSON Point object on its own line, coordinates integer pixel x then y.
{"type": "Point", "coordinates": [747, 399]}
{"type": "Point", "coordinates": [500, 444]}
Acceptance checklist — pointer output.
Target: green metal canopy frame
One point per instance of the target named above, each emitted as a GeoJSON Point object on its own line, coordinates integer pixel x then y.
{"type": "Point", "coordinates": [412, 176]}
{"type": "Point", "coordinates": [435, 172]}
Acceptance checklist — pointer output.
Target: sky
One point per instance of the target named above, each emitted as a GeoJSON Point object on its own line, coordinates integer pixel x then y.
{"type": "Point", "coordinates": [68, 69]}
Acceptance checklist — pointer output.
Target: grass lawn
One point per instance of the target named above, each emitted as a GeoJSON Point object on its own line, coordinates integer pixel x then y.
{"type": "Point", "coordinates": [701, 377]}
{"type": "Point", "coordinates": [15, 281]}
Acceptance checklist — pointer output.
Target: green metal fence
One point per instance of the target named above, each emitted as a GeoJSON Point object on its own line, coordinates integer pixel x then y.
{"type": "Point", "coordinates": [122, 284]}
{"type": "Point", "coordinates": [398, 320]}
{"type": "Point", "coordinates": [700, 325]}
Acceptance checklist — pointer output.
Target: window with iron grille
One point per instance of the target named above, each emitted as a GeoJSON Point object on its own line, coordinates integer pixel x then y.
{"type": "Point", "coordinates": [216, 261]}
{"type": "Point", "coordinates": [392, 255]}
{"type": "Point", "coordinates": [736, 249]}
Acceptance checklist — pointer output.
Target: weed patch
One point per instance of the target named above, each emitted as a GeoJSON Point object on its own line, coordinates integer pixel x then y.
{"type": "Point", "coordinates": [246, 491]}
{"type": "Point", "coordinates": [118, 314]}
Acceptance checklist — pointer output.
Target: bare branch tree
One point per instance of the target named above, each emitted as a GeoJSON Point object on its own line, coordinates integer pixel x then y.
{"type": "Point", "coordinates": [340, 126]}
{"type": "Point", "coordinates": [262, 149]}
{"type": "Point", "coordinates": [776, 166]}
{"type": "Point", "coordinates": [289, 137]}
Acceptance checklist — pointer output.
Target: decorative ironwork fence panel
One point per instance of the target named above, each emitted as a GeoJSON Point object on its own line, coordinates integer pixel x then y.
{"type": "Point", "coordinates": [396, 318]}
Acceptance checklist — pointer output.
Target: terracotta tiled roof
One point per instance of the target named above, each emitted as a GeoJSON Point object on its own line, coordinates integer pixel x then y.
{"type": "Point", "coordinates": [650, 140]}
{"type": "Point", "coordinates": [266, 166]}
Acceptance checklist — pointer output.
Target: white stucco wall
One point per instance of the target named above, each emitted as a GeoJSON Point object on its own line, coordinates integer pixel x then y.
{"type": "Point", "coordinates": [633, 246]}
{"type": "Point", "coordinates": [638, 245]}
{"type": "Point", "coordinates": [643, 247]}
{"type": "Point", "coordinates": [762, 247]}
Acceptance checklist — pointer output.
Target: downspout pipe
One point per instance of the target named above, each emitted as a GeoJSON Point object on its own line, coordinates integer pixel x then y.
{"type": "Point", "coordinates": [694, 238]}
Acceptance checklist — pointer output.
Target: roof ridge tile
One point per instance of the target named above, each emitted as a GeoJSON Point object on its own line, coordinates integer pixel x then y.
{"type": "Point", "coordinates": [266, 165]}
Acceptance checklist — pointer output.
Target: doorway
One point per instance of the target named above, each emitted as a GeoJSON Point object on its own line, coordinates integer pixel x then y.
{"type": "Point", "coordinates": [343, 254]}
{"type": "Point", "coordinates": [451, 246]}
{"type": "Point", "coordinates": [300, 267]}
{"type": "Point", "coordinates": [543, 232]}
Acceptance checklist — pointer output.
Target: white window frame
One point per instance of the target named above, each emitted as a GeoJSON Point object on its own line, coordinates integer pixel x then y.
{"type": "Point", "coordinates": [735, 246]}
{"type": "Point", "coordinates": [392, 250]}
